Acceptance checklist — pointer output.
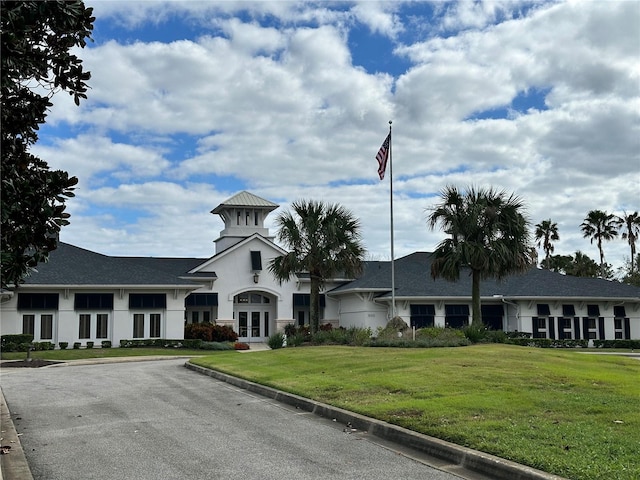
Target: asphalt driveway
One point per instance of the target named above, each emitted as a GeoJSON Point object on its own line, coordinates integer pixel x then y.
{"type": "Point", "coordinates": [157, 420]}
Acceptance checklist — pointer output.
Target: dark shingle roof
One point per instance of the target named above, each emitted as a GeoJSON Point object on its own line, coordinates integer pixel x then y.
{"type": "Point", "coordinates": [71, 265]}
{"type": "Point", "coordinates": [413, 279]}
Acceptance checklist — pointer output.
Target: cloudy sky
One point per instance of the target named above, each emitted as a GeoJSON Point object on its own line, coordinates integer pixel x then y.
{"type": "Point", "coordinates": [192, 102]}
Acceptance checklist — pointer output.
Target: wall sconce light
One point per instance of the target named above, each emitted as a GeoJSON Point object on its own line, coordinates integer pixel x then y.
{"type": "Point", "coordinates": [256, 277]}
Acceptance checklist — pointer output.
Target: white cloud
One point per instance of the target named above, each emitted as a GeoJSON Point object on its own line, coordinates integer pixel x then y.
{"type": "Point", "coordinates": [280, 107]}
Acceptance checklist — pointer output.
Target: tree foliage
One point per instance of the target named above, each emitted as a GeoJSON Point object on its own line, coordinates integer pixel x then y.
{"type": "Point", "coordinates": [37, 61]}
{"type": "Point", "coordinates": [488, 233]}
{"type": "Point", "coordinates": [324, 240]}
{"type": "Point", "coordinates": [600, 226]}
{"type": "Point", "coordinates": [546, 234]}
{"type": "Point", "coordinates": [630, 222]}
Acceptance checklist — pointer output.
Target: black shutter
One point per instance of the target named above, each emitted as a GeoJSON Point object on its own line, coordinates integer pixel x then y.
{"type": "Point", "coordinates": [601, 328]}
{"type": "Point", "coordinates": [585, 328]}
{"type": "Point", "coordinates": [534, 324]}
{"type": "Point", "coordinates": [576, 327]}
{"type": "Point", "coordinates": [552, 329]}
{"type": "Point", "coordinates": [627, 329]}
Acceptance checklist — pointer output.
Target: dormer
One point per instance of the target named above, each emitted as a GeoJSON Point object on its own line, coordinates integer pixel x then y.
{"type": "Point", "coordinates": [243, 215]}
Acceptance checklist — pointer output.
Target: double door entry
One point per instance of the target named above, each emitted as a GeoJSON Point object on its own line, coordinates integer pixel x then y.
{"type": "Point", "coordinates": [253, 325]}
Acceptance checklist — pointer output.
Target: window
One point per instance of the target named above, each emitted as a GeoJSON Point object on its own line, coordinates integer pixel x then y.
{"type": "Point", "coordinates": [422, 316]}
{"type": "Point", "coordinates": [266, 324]}
{"type": "Point", "coordinates": [28, 324]}
{"type": "Point", "coordinates": [154, 325]}
{"type": "Point", "coordinates": [102, 325]}
{"type": "Point", "coordinates": [591, 331]}
{"type": "Point", "coordinates": [46, 327]}
{"type": "Point", "coordinates": [539, 325]}
{"type": "Point", "coordinates": [622, 324]}
{"type": "Point", "coordinates": [256, 260]}
{"type": "Point", "coordinates": [138, 325]}
{"type": "Point", "coordinates": [565, 327]}
{"type": "Point", "coordinates": [195, 316]}
{"type": "Point", "coordinates": [85, 326]}
{"type": "Point", "coordinates": [456, 316]}
{"type": "Point", "coordinates": [301, 318]}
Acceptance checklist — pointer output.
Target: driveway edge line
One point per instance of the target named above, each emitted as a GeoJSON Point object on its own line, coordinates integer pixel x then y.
{"type": "Point", "coordinates": [13, 466]}
{"type": "Point", "coordinates": [474, 460]}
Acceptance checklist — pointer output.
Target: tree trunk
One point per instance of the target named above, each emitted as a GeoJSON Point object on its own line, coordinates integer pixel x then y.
{"type": "Point", "coordinates": [314, 304]}
{"type": "Point", "coordinates": [475, 299]}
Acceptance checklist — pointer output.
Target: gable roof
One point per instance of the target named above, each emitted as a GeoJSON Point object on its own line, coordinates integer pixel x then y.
{"type": "Point", "coordinates": [71, 265]}
{"type": "Point", "coordinates": [413, 280]}
{"type": "Point", "coordinates": [256, 236]}
{"type": "Point", "coordinates": [245, 199]}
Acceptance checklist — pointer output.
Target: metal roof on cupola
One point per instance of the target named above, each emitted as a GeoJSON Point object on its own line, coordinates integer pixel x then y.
{"type": "Point", "coordinates": [243, 216]}
{"type": "Point", "coordinates": [245, 199]}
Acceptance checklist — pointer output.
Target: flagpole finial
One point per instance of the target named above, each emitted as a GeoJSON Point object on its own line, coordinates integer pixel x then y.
{"type": "Point", "coordinates": [390, 122]}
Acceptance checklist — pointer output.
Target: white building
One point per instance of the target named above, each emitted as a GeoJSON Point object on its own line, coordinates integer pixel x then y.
{"type": "Point", "coordinates": [81, 296]}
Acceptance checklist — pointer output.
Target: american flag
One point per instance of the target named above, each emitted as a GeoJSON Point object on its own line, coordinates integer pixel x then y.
{"type": "Point", "coordinates": [383, 156]}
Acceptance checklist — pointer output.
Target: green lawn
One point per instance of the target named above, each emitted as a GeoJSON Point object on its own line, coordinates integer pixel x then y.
{"type": "Point", "coordinates": [564, 412]}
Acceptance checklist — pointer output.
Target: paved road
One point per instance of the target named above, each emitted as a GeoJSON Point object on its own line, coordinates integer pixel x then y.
{"type": "Point", "coordinates": [157, 420]}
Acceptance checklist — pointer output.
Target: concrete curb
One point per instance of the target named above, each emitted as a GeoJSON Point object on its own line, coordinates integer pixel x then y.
{"type": "Point", "coordinates": [473, 460]}
{"type": "Point", "coordinates": [13, 466]}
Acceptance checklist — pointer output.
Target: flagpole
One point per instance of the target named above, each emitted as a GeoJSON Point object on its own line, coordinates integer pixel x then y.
{"type": "Point", "coordinates": [393, 274]}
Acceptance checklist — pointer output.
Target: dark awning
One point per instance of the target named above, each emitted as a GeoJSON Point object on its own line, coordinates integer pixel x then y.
{"type": "Point", "coordinates": [202, 300]}
{"type": "Point", "coordinates": [304, 300]}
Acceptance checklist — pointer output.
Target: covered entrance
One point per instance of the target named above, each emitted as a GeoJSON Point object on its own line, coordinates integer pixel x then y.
{"type": "Point", "coordinates": [253, 312]}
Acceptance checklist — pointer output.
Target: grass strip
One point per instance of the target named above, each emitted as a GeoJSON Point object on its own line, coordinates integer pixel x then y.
{"type": "Point", "coordinates": [86, 353]}
{"type": "Point", "coordinates": [564, 412]}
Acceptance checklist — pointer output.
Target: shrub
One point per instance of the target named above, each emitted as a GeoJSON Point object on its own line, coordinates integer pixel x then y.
{"type": "Point", "coordinates": [223, 333]}
{"type": "Point", "coordinates": [209, 332]}
{"type": "Point", "coordinates": [240, 346]}
{"type": "Point", "coordinates": [627, 344]}
{"type": "Point", "coordinates": [90, 344]}
{"type": "Point", "coordinates": [295, 340]}
{"type": "Point", "coordinates": [358, 336]}
{"type": "Point", "coordinates": [215, 346]}
{"type": "Point", "coordinates": [275, 341]}
{"type": "Point", "coordinates": [192, 343]}
{"type": "Point", "coordinates": [63, 345]}
{"type": "Point", "coordinates": [106, 343]}
{"type": "Point", "coordinates": [475, 333]}
{"type": "Point", "coordinates": [290, 330]}
{"type": "Point", "coordinates": [548, 343]}
{"type": "Point", "coordinates": [19, 342]}
{"type": "Point", "coordinates": [76, 345]}
{"type": "Point", "coordinates": [326, 327]}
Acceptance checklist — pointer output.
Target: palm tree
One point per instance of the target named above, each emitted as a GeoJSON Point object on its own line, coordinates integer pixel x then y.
{"type": "Point", "coordinates": [631, 221]}
{"type": "Point", "coordinates": [546, 233]}
{"type": "Point", "coordinates": [489, 234]}
{"type": "Point", "coordinates": [599, 226]}
{"type": "Point", "coordinates": [323, 240]}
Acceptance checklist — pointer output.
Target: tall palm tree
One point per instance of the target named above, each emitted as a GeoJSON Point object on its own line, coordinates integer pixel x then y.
{"type": "Point", "coordinates": [546, 233]}
{"type": "Point", "coordinates": [599, 226]}
{"type": "Point", "coordinates": [489, 234]}
{"type": "Point", "coordinates": [323, 240]}
{"type": "Point", "coordinates": [631, 222]}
